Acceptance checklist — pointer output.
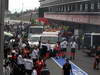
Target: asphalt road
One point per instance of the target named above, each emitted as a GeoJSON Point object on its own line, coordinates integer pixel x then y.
{"type": "Point", "coordinates": [82, 61]}
{"type": "Point", "coordinates": [53, 67]}
{"type": "Point", "coordinates": [86, 63]}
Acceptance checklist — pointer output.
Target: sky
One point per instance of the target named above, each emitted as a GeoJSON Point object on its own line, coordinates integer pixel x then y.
{"type": "Point", "coordinates": [19, 5]}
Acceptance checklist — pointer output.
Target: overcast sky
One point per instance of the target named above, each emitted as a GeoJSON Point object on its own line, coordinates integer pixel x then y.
{"type": "Point", "coordinates": [16, 5]}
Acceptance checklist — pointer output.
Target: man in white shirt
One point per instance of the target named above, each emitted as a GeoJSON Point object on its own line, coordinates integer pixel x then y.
{"type": "Point", "coordinates": [20, 62]}
{"type": "Point", "coordinates": [35, 54]}
{"type": "Point", "coordinates": [28, 63]}
{"type": "Point", "coordinates": [64, 45]}
{"type": "Point", "coordinates": [73, 46]}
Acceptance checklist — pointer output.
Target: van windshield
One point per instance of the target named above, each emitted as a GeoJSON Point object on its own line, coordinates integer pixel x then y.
{"type": "Point", "coordinates": [52, 40]}
{"type": "Point", "coordinates": [36, 30]}
{"type": "Point", "coordinates": [34, 39]}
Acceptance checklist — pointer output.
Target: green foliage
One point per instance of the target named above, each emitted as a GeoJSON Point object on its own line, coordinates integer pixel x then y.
{"type": "Point", "coordinates": [33, 21]}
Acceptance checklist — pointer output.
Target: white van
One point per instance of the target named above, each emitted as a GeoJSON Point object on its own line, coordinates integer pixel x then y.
{"type": "Point", "coordinates": [34, 39]}
{"type": "Point", "coordinates": [35, 30]}
{"type": "Point", "coordinates": [52, 37]}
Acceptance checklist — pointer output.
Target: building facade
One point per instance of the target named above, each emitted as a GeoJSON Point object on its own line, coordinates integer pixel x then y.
{"type": "Point", "coordinates": [82, 15]}
{"type": "Point", "coordinates": [6, 4]}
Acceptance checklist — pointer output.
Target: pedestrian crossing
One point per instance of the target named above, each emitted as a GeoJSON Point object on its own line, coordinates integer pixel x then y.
{"type": "Point", "coordinates": [75, 69]}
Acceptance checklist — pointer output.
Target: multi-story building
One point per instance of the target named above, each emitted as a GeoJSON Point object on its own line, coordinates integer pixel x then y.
{"type": "Point", "coordinates": [6, 4]}
{"type": "Point", "coordinates": [82, 15]}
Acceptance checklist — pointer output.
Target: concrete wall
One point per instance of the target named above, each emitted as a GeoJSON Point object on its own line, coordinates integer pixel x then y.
{"type": "Point", "coordinates": [88, 19]}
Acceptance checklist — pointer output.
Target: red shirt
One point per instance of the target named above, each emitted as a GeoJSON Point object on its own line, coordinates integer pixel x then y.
{"type": "Point", "coordinates": [39, 65]}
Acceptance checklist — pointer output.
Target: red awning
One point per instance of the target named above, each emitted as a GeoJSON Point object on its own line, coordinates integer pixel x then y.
{"type": "Point", "coordinates": [42, 20]}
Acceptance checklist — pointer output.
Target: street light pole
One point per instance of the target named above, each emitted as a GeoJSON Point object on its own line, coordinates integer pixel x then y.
{"type": "Point", "coordinates": [2, 9]}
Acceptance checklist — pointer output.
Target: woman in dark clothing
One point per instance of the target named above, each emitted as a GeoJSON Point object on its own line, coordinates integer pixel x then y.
{"type": "Point", "coordinates": [97, 59]}
{"type": "Point", "coordinates": [45, 70]}
{"type": "Point", "coordinates": [67, 69]}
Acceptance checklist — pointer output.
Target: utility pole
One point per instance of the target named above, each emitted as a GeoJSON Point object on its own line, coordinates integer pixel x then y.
{"type": "Point", "coordinates": [22, 19]}
{"type": "Point", "coordinates": [2, 9]}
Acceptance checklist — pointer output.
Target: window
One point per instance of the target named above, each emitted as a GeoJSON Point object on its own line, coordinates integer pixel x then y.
{"type": "Point", "coordinates": [81, 7]}
{"type": "Point", "coordinates": [68, 8]}
{"type": "Point", "coordinates": [92, 6]}
{"type": "Point", "coordinates": [34, 39]}
{"type": "Point", "coordinates": [64, 8]}
{"type": "Point", "coordinates": [56, 9]}
{"type": "Point", "coordinates": [86, 7]}
{"type": "Point", "coordinates": [71, 7]}
{"type": "Point", "coordinates": [52, 39]}
{"type": "Point", "coordinates": [49, 9]}
{"type": "Point", "coordinates": [98, 5]}
{"type": "Point", "coordinates": [53, 9]}
{"type": "Point", "coordinates": [59, 9]}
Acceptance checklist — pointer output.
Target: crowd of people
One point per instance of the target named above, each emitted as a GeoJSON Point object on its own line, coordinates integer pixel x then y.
{"type": "Point", "coordinates": [31, 60]}
{"type": "Point", "coordinates": [25, 59]}
{"type": "Point", "coordinates": [61, 49]}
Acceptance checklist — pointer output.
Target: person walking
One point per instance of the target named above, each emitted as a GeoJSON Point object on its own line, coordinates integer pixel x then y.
{"type": "Point", "coordinates": [35, 54]}
{"type": "Point", "coordinates": [45, 70]}
{"type": "Point", "coordinates": [67, 69]}
{"type": "Point", "coordinates": [13, 62]}
{"type": "Point", "coordinates": [64, 45]}
{"type": "Point", "coordinates": [97, 59]}
{"type": "Point", "coordinates": [20, 62]}
{"type": "Point", "coordinates": [39, 65]}
{"type": "Point", "coordinates": [28, 63]}
{"type": "Point", "coordinates": [43, 51]}
{"type": "Point", "coordinates": [73, 46]}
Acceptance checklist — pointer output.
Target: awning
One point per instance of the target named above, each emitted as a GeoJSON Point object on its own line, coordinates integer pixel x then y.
{"type": "Point", "coordinates": [44, 20]}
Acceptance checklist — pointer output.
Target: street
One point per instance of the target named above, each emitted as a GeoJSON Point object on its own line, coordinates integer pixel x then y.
{"type": "Point", "coordinates": [82, 61]}
{"type": "Point", "coordinates": [64, 33]}
{"type": "Point", "coordinates": [53, 67]}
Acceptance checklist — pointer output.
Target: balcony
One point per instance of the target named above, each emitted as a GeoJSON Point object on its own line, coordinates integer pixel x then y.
{"type": "Point", "coordinates": [59, 2]}
{"type": "Point", "coordinates": [78, 17]}
{"type": "Point", "coordinates": [74, 13]}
